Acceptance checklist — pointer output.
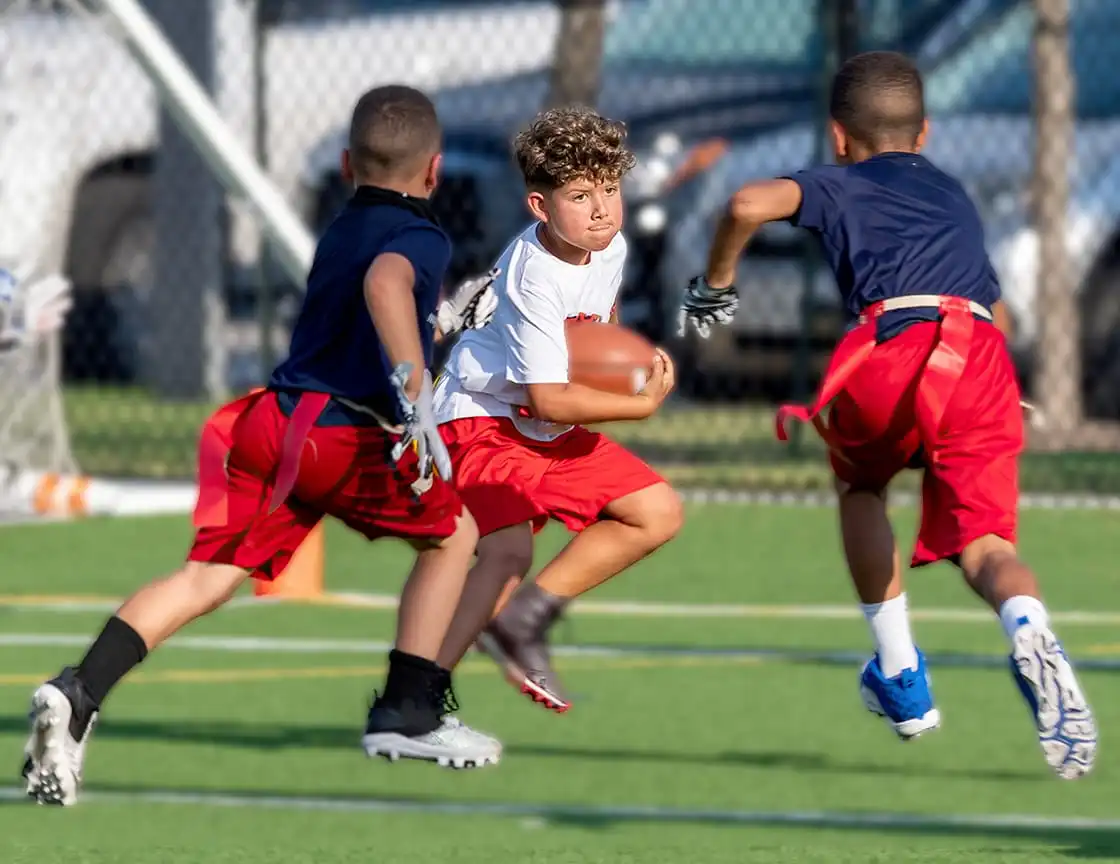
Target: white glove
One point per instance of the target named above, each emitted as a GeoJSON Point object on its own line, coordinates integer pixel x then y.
{"type": "Point", "coordinates": [703, 306]}
{"type": "Point", "coordinates": [46, 303]}
{"type": "Point", "coordinates": [32, 308]}
{"type": "Point", "coordinates": [420, 429]}
{"type": "Point", "coordinates": [471, 305]}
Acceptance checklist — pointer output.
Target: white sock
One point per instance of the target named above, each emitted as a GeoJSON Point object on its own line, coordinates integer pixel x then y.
{"type": "Point", "coordinates": [1020, 610]}
{"type": "Point", "coordinates": [890, 628]}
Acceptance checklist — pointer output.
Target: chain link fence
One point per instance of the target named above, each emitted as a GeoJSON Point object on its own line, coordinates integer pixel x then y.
{"type": "Point", "coordinates": [178, 303]}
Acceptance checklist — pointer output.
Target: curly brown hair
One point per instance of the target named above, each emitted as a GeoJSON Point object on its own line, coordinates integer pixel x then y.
{"type": "Point", "coordinates": [565, 144]}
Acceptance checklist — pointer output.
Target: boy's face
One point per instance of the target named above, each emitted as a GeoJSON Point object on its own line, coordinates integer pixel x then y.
{"type": "Point", "coordinates": [582, 213]}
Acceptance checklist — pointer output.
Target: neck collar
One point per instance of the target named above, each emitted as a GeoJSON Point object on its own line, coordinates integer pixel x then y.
{"type": "Point", "coordinates": [375, 196]}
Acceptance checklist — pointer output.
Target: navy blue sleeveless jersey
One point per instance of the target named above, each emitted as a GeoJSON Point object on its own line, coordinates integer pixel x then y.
{"type": "Point", "coordinates": [334, 347]}
{"type": "Point", "coordinates": [896, 225]}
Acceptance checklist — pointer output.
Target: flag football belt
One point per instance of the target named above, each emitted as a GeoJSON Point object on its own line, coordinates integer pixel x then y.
{"type": "Point", "coordinates": [216, 441]}
{"type": "Point", "coordinates": [938, 379]}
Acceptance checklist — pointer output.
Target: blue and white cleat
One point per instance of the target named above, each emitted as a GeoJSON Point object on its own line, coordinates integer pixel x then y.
{"type": "Point", "coordinates": [905, 700]}
{"type": "Point", "coordinates": [1066, 728]}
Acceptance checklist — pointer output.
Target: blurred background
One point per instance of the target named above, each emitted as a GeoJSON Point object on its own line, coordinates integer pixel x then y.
{"type": "Point", "coordinates": [179, 301]}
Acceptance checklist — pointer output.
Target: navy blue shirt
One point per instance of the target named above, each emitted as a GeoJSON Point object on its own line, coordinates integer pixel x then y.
{"type": "Point", "coordinates": [334, 347]}
{"type": "Point", "coordinates": [895, 225]}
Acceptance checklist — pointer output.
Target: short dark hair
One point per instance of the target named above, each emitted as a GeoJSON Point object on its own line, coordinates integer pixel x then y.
{"type": "Point", "coordinates": [392, 129]}
{"type": "Point", "coordinates": [879, 99]}
{"type": "Point", "coordinates": [565, 144]}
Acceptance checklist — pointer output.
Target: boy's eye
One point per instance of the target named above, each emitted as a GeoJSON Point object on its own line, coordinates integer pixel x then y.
{"type": "Point", "coordinates": [580, 196]}
{"type": "Point", "coordinates": [611, 190]}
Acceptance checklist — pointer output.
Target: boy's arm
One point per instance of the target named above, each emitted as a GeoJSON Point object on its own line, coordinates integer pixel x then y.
{"type": "Point", "coordinates": [712, 298]}
{"type": "Point", "coordinates": [388, 288]}
{"type": "Point", "coordinates": [576, 405]}
{"type": "Point", "coordinates": [537, 358]}
{"type": "Point", "coordinates": [751, 207]}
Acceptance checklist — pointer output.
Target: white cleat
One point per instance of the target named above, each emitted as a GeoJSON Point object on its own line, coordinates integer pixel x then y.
{"type": "Point", "coordinates": [54, 757]}
{"type": "Point", "coordinates": [452, 745]}
{"type": "Point", "coordinates": [1067, 731]}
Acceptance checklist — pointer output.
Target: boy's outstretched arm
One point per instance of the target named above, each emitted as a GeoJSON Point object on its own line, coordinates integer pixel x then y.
{"type": "Point", "coordinates": [751, 207]}
{"type": "Point", "coordinates": [712, 298]}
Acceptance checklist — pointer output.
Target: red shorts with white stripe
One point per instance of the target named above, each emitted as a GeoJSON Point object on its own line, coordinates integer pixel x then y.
{"type": "Point", "coordinates": [344, 471]}
{"type": "Point", "coordinates": [505, 478]}
{"type": "Point", "coordinates": [971, 485]}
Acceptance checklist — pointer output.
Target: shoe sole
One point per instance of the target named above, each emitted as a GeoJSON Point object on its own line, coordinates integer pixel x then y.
{"type": "Point", "coordinates": [47, 773]}
{"type": "Point", "coordinates": [515, 675]}
{"type": "Point", "coordinates": [393, 746]}
{"type": "Point", "coordinates": [907, 730]}
{"type": "Point", "coordinates": [1067, 731]}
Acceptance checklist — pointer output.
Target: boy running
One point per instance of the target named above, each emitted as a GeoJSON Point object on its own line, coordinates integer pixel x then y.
{"type": "Point", "coordinates": [514, 423]}
{"type": "Point", "coordinates": [355, 390]}
{"type": "Point", "coordinates": [922, 379]}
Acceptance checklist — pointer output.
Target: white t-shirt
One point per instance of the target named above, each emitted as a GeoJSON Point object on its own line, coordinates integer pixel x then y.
{"type": "Point", "coordinates": [524, 343]}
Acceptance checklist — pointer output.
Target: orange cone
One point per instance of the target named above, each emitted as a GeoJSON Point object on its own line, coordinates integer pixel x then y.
{"type": "Point", "coordinates": [303, 577]}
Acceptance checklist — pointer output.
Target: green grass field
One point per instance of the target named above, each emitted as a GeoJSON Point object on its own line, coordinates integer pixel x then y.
{"type": "Point", "coordinates": [697, 737]}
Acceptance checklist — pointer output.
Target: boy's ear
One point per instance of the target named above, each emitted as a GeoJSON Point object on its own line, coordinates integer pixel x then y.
{"type": "Point", "coordinates": [839, 138]}
{"type": "Point", "coordinates": [921, 142]}
{"type": "Point", "coordinates": [346, 168]}
{"type": "Point", "coordinates": [538, 205]}
{"type": "Point", "coordinates": [435, 166]}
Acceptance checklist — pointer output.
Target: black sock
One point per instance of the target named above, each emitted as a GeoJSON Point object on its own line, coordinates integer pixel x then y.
{"type": "Point", "coordinates": [412, 679]}
{"type": "Point", "coordinates": [110, 658]}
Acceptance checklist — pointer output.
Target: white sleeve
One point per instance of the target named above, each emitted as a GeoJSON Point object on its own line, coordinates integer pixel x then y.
{"type": "Point", "coordinates": [536, 348]}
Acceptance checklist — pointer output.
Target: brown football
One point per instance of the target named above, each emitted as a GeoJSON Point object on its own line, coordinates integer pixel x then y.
{"type": "Point", "coordinates": [608, 357]}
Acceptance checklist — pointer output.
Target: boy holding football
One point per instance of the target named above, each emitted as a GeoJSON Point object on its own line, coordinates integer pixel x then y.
{"type": "Point", "coordinates": [515, 424]}
{"type": "Point", "coordinates": [923, 378]}
{"type": "Point", "coordinates": [346, 429]}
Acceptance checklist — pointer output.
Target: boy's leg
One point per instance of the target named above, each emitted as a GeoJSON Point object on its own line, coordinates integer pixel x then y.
{"type": "Point", "coordinates": [623, 511]}
{"type": "Point", "coordinates": [504, 559]}
{"type": "Point", "coordinates": [64, 709]}
{"type": "Point", "coordinates": [970, 515]}
{"type": "Point", "coordinates": [872, 430]}
{"type": "Point", "coordinates": [894, 683]}
{"type": "Point", "coordinates": [411, 717]}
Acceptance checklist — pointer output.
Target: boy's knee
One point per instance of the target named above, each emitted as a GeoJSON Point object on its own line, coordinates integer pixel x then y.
{"type": "Point", "coordinates": [508, 552]}
{"type": "Point", "coordinates": [465, 536]}
{"type": "Point", "coordinates": [661, 515]}
{"type": "Point", "coordinates": [985, 554]}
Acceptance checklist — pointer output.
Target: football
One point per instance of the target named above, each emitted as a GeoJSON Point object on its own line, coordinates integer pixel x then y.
{"type": "Point", "coordinates": [608, 357]}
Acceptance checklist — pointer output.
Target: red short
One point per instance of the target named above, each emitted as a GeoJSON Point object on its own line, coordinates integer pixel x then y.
{"type": "Point", "coordinates": [505, 478]}
{"type": "Point", "coordinates": [344, 471]}
{"type": "Point", "coordinates": [971, 485]}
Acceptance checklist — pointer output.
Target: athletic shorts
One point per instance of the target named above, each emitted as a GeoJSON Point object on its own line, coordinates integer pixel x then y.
{"type": "Point", "coordinates": [344, 472]}
{"type": "Point", "coordinates": [505, 478]}
{"type": "Point", "coordinates": [971, 483]}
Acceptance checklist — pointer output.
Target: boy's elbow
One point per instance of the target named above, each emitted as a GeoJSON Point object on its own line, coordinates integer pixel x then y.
{"type": "Point", "coordinates": [744, 207]}
{"type": "Point", "coordinates": [545, 401]}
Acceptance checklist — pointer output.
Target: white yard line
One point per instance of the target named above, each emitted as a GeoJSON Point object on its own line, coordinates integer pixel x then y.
{"type": "Point", "coordinates": [565, 813]}
{"type": "Point", "coordinates": [291, 645]}
{"type": "Point", "coordinates": [607, 608]}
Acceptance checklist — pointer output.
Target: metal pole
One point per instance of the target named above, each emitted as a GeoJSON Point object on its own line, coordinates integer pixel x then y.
{"type": "Point", "coordinates": [839, 21]}
{"type": "Point", "coordinates": [266, 299]}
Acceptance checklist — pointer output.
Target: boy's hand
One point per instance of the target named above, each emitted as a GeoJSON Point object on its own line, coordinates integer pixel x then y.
{"type": "Point", "coordinates": [704, 306]}
{"type": "Point", "coordinates": [471, 305]}
{"type": "Point", "coordinates": [420, 427]}
{"type": "Point", "coordinates": [662, 380]}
